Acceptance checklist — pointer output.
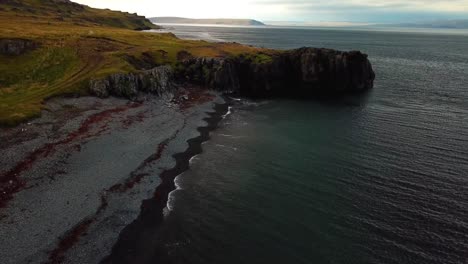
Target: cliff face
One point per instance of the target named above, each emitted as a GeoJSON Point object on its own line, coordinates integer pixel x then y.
{"type": "Point", "coordinates": [301, 72]}
{"type": "Point", "coordinates": [298, 73]}
{"type": "Point", "coordinates": [15, 47]}
{"type": "Point", "coordinates": [157, 81]}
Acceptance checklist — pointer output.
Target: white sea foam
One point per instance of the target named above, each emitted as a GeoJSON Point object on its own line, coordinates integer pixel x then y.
{"type": "Point", "coordinates": [208, 36]}
{"type": "Point", "coordinates": [171, 197]}
{"type": "Point", "coordinates": [192, 158]}
{"type": "Point", "coordinates": [224, 146]}
{"type": "Point", "coordinates": [178, 182]}
{"type": "Point", "coordinates": [166, 211]}
{"type": "Point", "coordinates": [256, 103]}
{"type": "Point", "coordinates": [228, 112]}
{"type": "Point", "coordinates": [230, 136]}
{"type": "Point", "coordinates": [198, 36]}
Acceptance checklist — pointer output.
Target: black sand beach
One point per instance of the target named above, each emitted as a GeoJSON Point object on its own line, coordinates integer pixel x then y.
{"type": "Point", "coordinates": [78, 175]}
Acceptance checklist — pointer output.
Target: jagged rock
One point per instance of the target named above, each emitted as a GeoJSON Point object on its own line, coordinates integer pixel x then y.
{"type": "Point", "coordinates": [216, 73]}
{"type": "Point", "coordinates": [300, 72]}
{"type": "Point", "coordinates": [295, 73]}
{"type": "Point", "coordinates": [157, 81]}
{"type": "Point", "coordinates": [100, 88]}
{"type": "Point", "coordinates": [15, 47]}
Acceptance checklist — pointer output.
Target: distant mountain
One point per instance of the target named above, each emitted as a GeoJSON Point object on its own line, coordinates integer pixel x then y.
{"type": "Point", "coordinates": [221, 21]}
{"type": "Point", "coordinates": [452, 23]}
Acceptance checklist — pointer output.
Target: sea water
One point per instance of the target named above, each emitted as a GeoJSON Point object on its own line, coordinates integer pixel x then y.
{"type": "Point", "coordinates": [376, 178]}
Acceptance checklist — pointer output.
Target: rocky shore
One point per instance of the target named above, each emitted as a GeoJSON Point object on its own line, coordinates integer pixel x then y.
{"type": "Point", "coordinates": [72, 180]}
{"type": "Point", "coordinates": [296, 73]}
{"type": "Point", "coordinates": [77, 175]}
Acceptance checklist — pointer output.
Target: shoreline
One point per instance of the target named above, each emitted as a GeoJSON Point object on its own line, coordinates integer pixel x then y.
{"type": "Point", "coordinates": [128, 248]}
{"type": "Point", "coordinates": [91, 169]}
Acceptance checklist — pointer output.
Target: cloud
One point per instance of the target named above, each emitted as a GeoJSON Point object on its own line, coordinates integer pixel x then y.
{"type": "Point", "coordinates": [296, 10]}
{"type": "Point", "coordinates": [421, 5]}
{"type": "Point", "coordinates": [370, 10]}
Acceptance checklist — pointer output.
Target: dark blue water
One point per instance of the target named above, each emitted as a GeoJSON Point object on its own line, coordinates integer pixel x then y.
{"type": "Point", "coordinates": [379, 178]}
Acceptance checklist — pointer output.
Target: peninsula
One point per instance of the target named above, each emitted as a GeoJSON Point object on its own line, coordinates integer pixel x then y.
{"type": "Point", "coordinates": [58, 47]}
{"type": "Point", "coordinates": [215, 21]}
{"type": "Point", "coordinates": [75, 168]}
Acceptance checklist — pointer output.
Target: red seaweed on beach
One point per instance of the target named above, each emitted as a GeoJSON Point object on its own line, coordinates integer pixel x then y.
{"type": "Point", "coordinates": [73, 236]}
{"type": "Point", "coordinates": [10, 181]}
{"type": "Point", "coordinates": [192, 96]}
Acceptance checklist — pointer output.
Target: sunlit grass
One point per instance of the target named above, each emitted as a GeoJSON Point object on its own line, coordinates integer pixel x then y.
{"type": "Point", "coordinates": [72, 52]}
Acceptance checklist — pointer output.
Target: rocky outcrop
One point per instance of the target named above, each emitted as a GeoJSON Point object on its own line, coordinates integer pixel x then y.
{"type": "Point", "coordinates": [15, 47]}
{"type": "Point", "coordinates": [215, 73]}
{"type": "Point", "coordinates": [295, 73]}
{"type": "Point", "coordinates": [301, 72]}
{"type": "Point", "coordinates": [157, 81]}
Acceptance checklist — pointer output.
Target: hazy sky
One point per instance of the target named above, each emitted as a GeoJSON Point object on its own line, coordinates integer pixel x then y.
{"type": "Point", "coordinates": [295, 10]}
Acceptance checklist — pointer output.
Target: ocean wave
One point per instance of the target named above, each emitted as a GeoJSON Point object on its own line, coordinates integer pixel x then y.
{"type": "Point", "coordinates": [192, 159]}
{"type": "Point", "coordinates": [171, 197]}
{"type": "Point", "coordinates": [198, 36]}
{"type": "Point", "coordinates": [224, 146]}
{"type": "Point", "coordinates": [228, 112]}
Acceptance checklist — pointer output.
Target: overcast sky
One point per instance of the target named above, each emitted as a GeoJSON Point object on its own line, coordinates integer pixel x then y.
{"type": "Point", "coordinates": [384, 11]}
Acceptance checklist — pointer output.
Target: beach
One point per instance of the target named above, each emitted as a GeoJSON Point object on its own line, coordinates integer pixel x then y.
{"type": "Point", "coordinates": [78, 174]}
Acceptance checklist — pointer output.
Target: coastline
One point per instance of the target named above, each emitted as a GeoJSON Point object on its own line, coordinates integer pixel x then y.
{"type": "Point", "coordinates": [91, 170]}
{"type": "Point", "coordinates": [133, 240]}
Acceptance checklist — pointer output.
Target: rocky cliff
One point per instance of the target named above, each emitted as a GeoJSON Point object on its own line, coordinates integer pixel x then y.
{"type": "Point", "coordinates": [156, 81]}
{"type": "Point", "coordinates": [301, 72]}
{"type": "Point", "coordinates": [14, 47]}
{"type": "Point", "coordinates": [296, 73]}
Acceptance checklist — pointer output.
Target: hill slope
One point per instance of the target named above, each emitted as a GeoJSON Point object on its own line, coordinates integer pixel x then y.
{"type": "Point", "coordinates": [221, 21]}
{"type": "Point", "coordinates": [55, 47]}
{"type": "Point", "coordinates": [67, 11]}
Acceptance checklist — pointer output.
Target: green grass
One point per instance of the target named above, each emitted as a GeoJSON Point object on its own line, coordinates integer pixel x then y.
{"type": "Point", "coordinates": [83, 45]}
{"type": "Point", "coordinates": [51, 11]}
{"type": "Point", "coordinates": [257, 57]}
{"type": "Point", "coordinates": [41, 66]}
{"type": "Point", "coordinates": [262, 58]}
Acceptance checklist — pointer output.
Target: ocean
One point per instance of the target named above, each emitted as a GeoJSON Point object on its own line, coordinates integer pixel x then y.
{"type": "Point", "coordinates": [376, 178]}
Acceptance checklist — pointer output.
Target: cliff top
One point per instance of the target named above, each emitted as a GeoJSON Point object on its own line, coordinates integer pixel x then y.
{"type": "Point", "coordinates": [54, 47]}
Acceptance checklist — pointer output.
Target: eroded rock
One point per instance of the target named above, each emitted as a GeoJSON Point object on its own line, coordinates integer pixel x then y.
{"type": "Point", "coordinates": [157, 81]}
{"type": "Point", "coordinates": [305, 71]}
{"type": "Point", "coordinates": [296, 73]}
{"type": "Point", "coordinates": [15, 47]}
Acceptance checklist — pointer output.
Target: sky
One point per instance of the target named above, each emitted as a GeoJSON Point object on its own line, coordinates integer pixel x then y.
{"type": "Point", "coordinates": [355, 11]}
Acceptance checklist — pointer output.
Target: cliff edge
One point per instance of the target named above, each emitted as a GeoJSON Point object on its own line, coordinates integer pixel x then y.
{"type": "Point", "coordinates": [304, 72]}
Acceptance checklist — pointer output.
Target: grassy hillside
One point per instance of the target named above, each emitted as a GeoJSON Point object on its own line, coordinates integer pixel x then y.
{"type": "Point", "coordinates": [73, 44]}
{"type": "Point", "coordinates": [66, 11]}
